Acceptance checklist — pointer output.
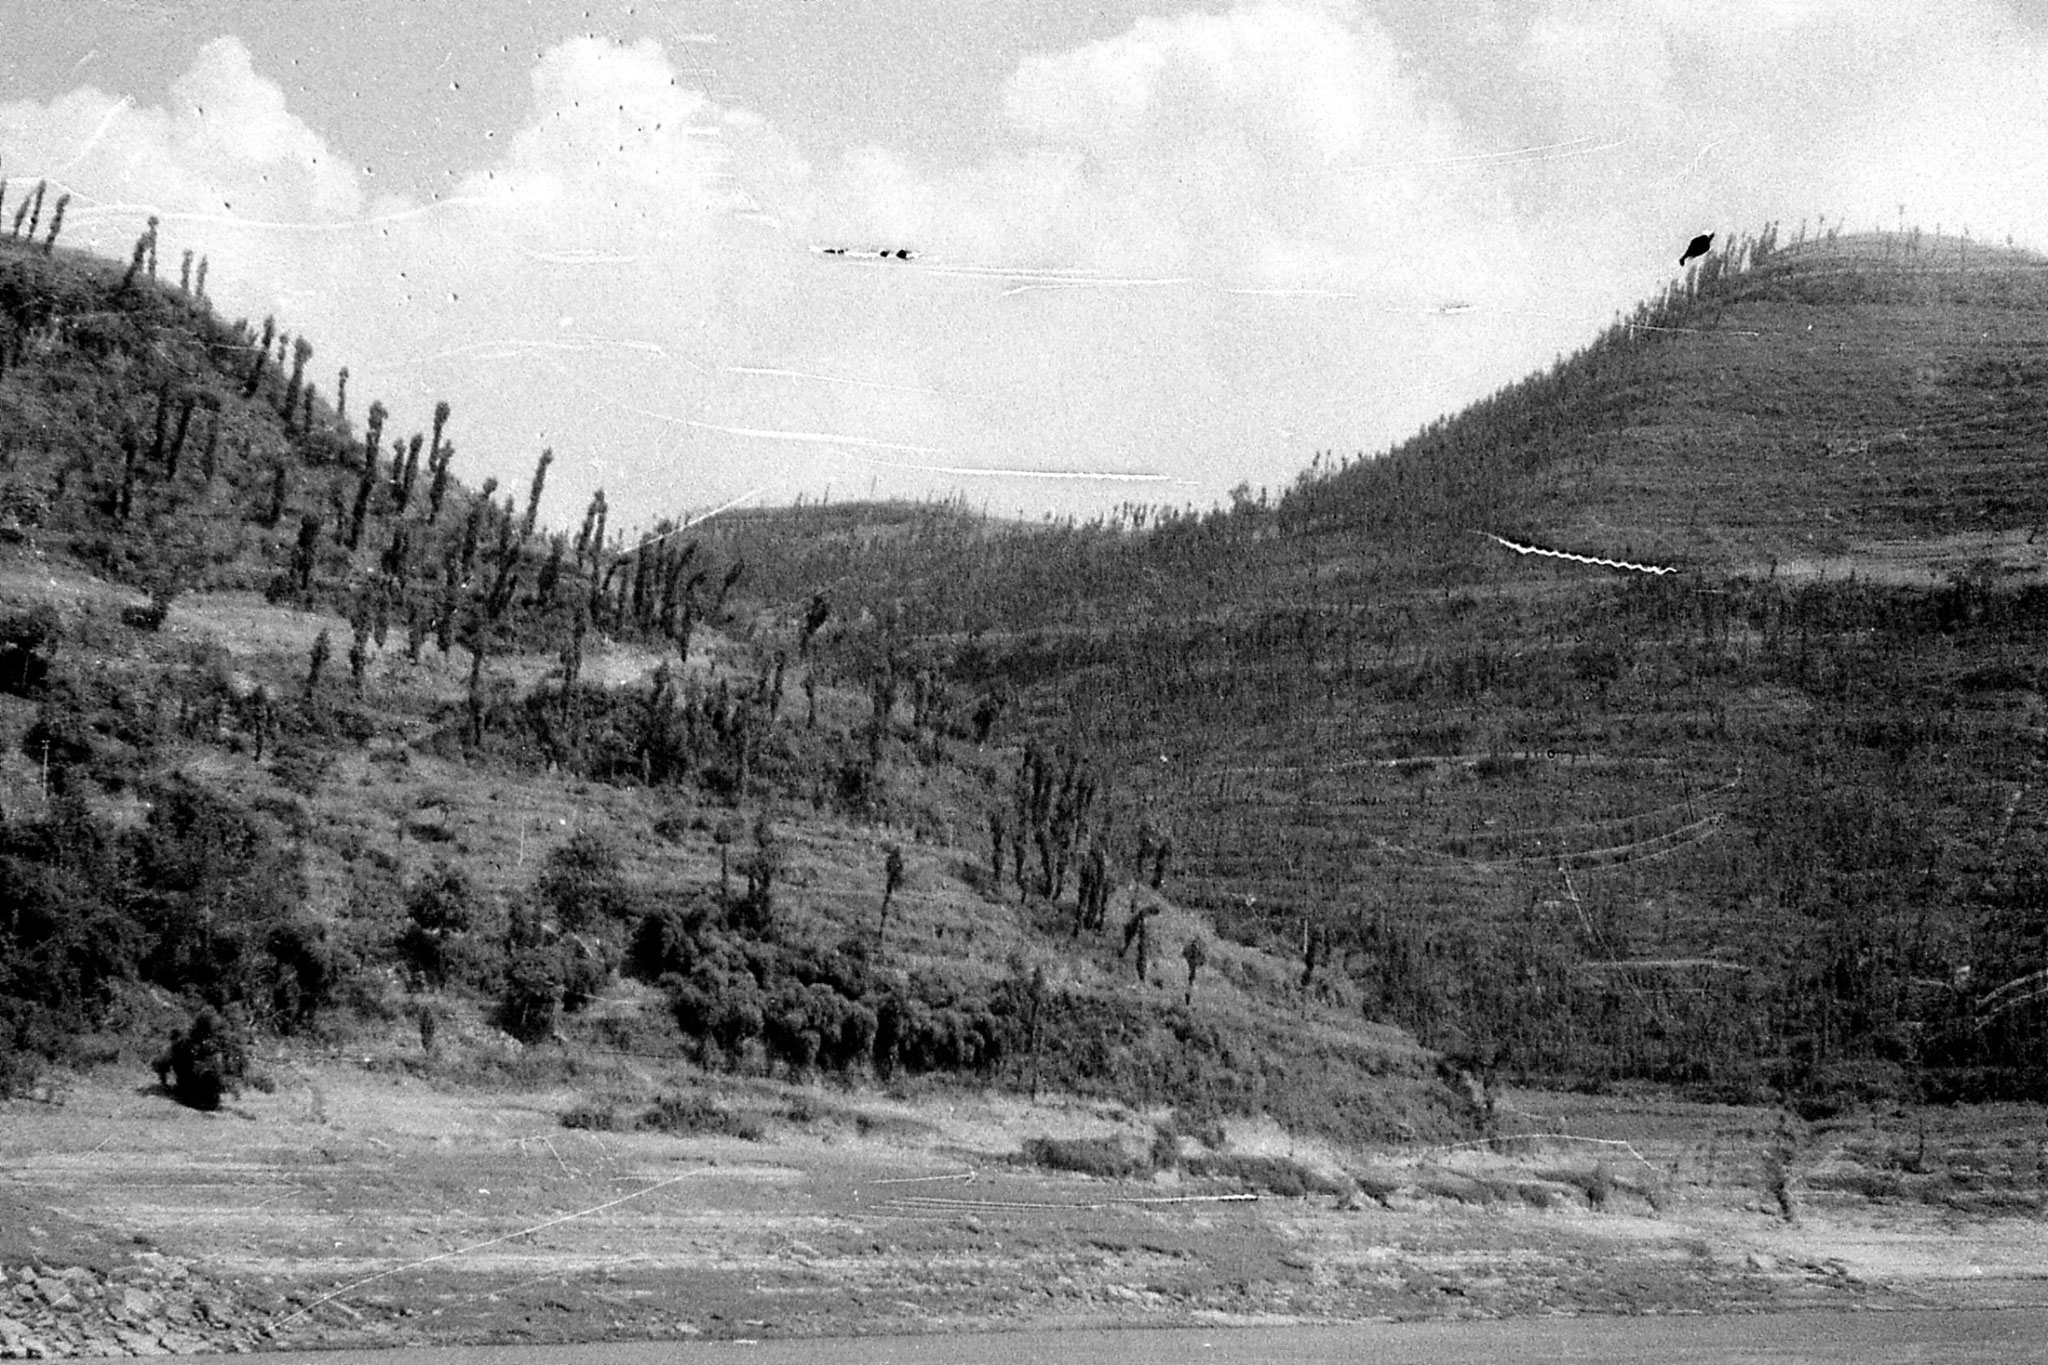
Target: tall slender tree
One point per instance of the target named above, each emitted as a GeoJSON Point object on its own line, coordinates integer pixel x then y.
{"type": "Point", "coordinates": [306, 554]}
{"type": "Point", "coordinates": [275, 511]}
{"type": "Point", "coordinates": [262, 354]}
{"type": "Point", "coordinates": [209, 454]}
{"type": "Point", "coordinates": [302, 351]}
{"type": "Point", "coordinates": [368, 483]}
{"type": "Point", "coordinates": [131, 449]}
{"type": "Point", "coordinates": [550, 578]}
{"type": "Point", "coordinates": [540, 478]}
{"type": "Point", "coordinates": [892, 878]}
{"type": "Point", "coordinates": [323, 650]}
{"type": "Point", "coordinates": [160, 433]}
{"type": "Point", "coordinates": [441, 411]}
{"type": "Point", "coordinates": [177, 450]}
{"type": "Point", "coordinates": [56, 224]}
{"type": "Point", "coordinates": [438, 461]}
{"type": "Point", "coordinates": [134, 261]}
{"type": "Point", "coordinates": [591, 537]}
{"type": "Point", "coordinates": [408, 474]}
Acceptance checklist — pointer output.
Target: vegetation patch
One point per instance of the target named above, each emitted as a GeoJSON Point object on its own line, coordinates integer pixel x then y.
{"type": "Point", "coordinates": [1105, 1158]}
{"type": "Point", "coordinates": [1267, 1174]}
{"type": "Point", "coordinates": [698, 1116]}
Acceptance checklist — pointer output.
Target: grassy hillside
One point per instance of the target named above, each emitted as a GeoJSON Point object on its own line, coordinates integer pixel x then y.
{"type": "Point", "coordinates": [305, 738]}
{"type": "Point", "coordinates": [1834, 398]}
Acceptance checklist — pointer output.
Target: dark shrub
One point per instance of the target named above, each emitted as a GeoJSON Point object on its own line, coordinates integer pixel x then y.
{"type": "Point", "coordinates": [210, 885]}
{"type": "Point", "coordinates": [309, 971]}
{"type": "Point", "coordinates": [61, 735]}
{"type": "Point", "coordinates": [545, 979]}
{"type": "Point", "coordinates": [583, 885]}
{"type": "Point", "coordinates": [27, 641]}
{"type": "Point", "coordinates": [531, 999]}
{"type": "Point", "coordinates": [695, 1115]}
{"type": "Point", "coordinates": [597, 1118]}
{"type": "Point", "coordinates": [1104, 1157]}
{"type": "Point", "coordinates": [301, 769]}
{"type": "Point", "coordinates": [1270, 1174]}
{"type": "Point", "coordinates": [205, 1062]}
{"type": "Point", "coordinates": [668, 939]}
{"type": "Point", "coordinates": [584, 972]}
{"type": "Point", "coordinates": [440, 911]}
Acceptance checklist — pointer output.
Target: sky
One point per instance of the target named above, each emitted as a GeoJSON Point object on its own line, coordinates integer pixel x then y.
{"type": "Point", "coordinates": [1160, 250]}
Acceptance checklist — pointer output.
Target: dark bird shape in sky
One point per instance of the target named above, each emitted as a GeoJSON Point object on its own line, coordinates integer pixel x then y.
{"type": "Point", "coordinates": [873, 253]}
{"type": "Point", "coordinates": [1698, 246]}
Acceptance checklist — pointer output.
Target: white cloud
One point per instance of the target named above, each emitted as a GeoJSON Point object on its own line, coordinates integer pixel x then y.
{"type": "Point", "coordinates": [225, 145]}
{"type": "Point", "coordinates": [637, 248]}
{"type": "Point", "coordinates": [1208, 245]}
{"type": "Point", "coordinates": [1257, 139]}
{"type": "Point", "coordinates": [227, 125]}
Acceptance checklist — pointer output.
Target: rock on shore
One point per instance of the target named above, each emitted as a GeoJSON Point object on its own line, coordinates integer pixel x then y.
{"type": "Point", "coordinates": [154, 1306]}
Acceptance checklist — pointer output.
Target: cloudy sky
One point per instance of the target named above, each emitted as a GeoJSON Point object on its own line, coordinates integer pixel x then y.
{"type": "Point", "coordinates": [1162, 246]}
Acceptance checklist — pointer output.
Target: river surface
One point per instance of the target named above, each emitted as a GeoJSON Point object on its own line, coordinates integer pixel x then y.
{"type": "Point", "coordinates": [1963, 1337]}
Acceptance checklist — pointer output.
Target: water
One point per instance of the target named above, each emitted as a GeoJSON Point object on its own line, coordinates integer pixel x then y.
{"type": "Point", "coordinates": [1964, 1337]}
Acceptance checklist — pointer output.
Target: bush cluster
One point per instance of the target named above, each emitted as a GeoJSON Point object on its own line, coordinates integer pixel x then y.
{"type": "Point", "coordinates": [809, 1007]}
{"type": "Point", "coordinates": [202, 900]}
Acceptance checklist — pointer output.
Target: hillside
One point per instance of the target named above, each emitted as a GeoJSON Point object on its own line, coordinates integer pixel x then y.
{"type": "Point", "coordinates": [303, 732]}
{"type": "Point", "coordinates": [1181, 918]}
{"type": "Point", "coordinates": [1864, 400]}
{"type": "Point", "coordinates": [1768, 823]}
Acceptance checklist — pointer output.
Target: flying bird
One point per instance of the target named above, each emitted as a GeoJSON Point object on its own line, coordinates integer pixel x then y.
{"type": "Point", "coordinates": [1698, 246]}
